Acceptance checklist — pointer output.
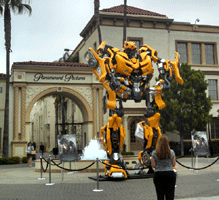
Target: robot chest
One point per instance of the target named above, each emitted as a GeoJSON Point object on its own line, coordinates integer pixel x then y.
{"type": "Point", "coordinates": [126, 67]}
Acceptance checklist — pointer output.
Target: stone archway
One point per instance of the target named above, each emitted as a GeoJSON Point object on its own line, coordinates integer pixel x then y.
{"type": "Point", "coordinates": [79, 99]}
{"type": "Point", "coordinates": [76, 97]}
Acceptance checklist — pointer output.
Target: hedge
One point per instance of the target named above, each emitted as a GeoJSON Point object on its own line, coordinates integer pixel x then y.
{"type": "Point", "coordinates": [24, 159]}
{"type": "Point", "coordinates": [10, 160]}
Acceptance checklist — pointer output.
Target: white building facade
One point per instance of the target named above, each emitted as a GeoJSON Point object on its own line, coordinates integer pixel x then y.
{"type": "Point", "coordinates": [32, 81]}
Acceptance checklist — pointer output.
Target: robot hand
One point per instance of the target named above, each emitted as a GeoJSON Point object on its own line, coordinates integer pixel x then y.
{"type": "Point", "coordinates": [156, 91]}
{"type": "Point", "coordinates": [167, 68]}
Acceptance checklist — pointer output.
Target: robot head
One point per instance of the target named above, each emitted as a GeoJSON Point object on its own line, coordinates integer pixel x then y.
{"type": "Point", "coordinates": [129, 48]}
{"type": "Point", "coordinates": [129, 45]}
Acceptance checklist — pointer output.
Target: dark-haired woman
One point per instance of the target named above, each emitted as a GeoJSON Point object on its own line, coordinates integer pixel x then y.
{"type": "Point", "coordinates": [163, 160]}
{"type": "Point", "coordinates": [29, 156]}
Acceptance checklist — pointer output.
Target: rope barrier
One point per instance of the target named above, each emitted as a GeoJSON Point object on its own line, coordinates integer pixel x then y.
{"type": "Point", "coordinates": [73, 170]}
{"type": "Point", "coordinates": [51, 164]}
{"type": "Point", "coordinates": [198, 168]}
{"type": "Point", "coordinates": [44, 170]}
{"type": "Point", "coordinates": [46, 165]}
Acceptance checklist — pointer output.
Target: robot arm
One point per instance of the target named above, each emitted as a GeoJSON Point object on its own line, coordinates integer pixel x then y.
{"type": "Point", "coordinates": [166, 68]}
{"type": "Point", "coordinates": [97, 61]}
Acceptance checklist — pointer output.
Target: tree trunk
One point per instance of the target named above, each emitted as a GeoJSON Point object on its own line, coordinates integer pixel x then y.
{"type": "Point", "coordinates": [7, 26]}
{"type": "Point", "coordinates": [124, 23]}
{"type": "Point", "coordinates": [96, 12]}
{"type": "Point", "coordinates": [6, 118]}
{"type": "Point", "coordinates": [63, 115]}
{"type": "Point", "coordinates": [73, 118]}
{"type": "Point", "coordinates": [57, 121]}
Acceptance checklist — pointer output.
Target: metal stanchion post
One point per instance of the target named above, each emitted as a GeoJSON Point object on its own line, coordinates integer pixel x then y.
{"type": "Point", "coordinates": [196, 163]}
{"type": "Point", "coordinates": [192, 158]}
{"type": "Point", "coordinates": [62, 171]}
{"type": "Point", "coordinates": [70, 168]}
{"type": "Point", "coordinates": [97, 189]}
{"type": "Point", "coordinates": [50, 172]}
{"type": "Point", "coordinates": [41, 169]}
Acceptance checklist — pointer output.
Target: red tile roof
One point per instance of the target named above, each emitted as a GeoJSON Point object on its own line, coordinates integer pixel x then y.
{"type": "Point", "coordinates": [66, 64]}
{"type": "Point", "coordinates": [132, 10]}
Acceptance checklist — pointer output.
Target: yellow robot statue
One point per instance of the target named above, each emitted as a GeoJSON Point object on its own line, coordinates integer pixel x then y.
{"type": "Point", "coordinates": [126, 76]}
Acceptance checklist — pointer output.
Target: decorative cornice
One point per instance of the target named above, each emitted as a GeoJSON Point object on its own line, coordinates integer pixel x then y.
{"type": "Point", "coordinates": [211, 73]}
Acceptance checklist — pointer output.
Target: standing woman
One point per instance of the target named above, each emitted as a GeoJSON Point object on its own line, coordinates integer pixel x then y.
{"type": "Point", "coordinates": [29, 156]}
{"type": "Point", "coordinates": [163, 160]}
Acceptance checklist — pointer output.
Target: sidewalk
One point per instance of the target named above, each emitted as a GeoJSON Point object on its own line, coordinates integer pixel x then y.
{"type": "Point", "coordinates": [21, 182]}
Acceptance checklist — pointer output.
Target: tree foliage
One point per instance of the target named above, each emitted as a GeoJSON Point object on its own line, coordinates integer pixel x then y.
{"type": "Point", "coordinates": [18, 7]}
{"type": "Point", "coordinates": [187, 106]}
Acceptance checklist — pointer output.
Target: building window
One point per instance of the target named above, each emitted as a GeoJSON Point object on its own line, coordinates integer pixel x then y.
{"type": "Point", "coordinates": [137, 41]}
{"type": "Point", "coordinates": [0, 89]}
{"type": "Point", "coordinates": [182, 50]}
{"type": "Point", "coordinates": [213, 89]}
{"type": "Point", "coordinates": [215, 128]}
{"type": "Point", "coordinates": [209, 54]}
{"type": "Point", "coordinates": [196, 54]}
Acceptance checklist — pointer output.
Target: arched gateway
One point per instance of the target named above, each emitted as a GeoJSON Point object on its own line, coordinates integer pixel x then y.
{"type": "Point", "coordinates": [32, 81]}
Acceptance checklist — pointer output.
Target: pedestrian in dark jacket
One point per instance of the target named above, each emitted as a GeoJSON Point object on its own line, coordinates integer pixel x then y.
{"type": "Point", "coordinates": [41, 148]}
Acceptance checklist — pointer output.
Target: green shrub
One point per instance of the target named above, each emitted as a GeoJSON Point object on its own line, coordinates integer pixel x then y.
{"type": "Point", "coordinates": [24, 159]}
{"type": "Point", "coordinates": [1, 161]}
{"type": "Point", "coordinates": [13, 160]}
{"type": "Point", "coordinates": [10, 160]}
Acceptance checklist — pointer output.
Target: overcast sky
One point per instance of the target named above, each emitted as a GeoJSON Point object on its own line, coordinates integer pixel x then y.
{"type": "Point", "coordinates": [56, 24]}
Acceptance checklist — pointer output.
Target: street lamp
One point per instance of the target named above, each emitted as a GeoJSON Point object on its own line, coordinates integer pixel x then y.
{"type": "Point", "coordinates": [197, 20]}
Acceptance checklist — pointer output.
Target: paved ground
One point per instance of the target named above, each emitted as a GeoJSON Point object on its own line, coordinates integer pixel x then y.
{"type": "Point", "coordinates": [21, 182]}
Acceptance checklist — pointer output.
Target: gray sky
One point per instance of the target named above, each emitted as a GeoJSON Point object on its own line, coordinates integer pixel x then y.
{"type": "Point", "coordinates": [56, 24]}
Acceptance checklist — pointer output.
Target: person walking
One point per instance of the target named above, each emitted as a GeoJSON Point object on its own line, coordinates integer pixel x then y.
{"type": "Point", "coordinates": [163, 160]}
{"type": "Point", "coordinates": [29, 155]}
{"type": "Point", "coordinates": [41, 148]}
{"type": "Point", "coordinates": [34, 155]}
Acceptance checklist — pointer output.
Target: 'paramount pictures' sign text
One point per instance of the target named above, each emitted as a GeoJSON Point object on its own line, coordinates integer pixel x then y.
{"type": "Point", "coordinates": [66, 77]}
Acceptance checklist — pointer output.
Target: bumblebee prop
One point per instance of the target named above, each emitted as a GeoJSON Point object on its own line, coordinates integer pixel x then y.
{"type": "Point", "coordinates": [126, 76]}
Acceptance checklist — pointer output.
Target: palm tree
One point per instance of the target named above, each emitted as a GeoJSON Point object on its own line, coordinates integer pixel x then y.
{"type": "Point", "coordinates": [124, 21]}
{"type": "Point", "coordinates": [18, 8]}
{"type": "Point", "coordinates": [97, 16]}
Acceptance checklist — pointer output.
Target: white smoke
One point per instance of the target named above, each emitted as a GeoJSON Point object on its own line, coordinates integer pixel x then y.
{"type": "Point", "coordinates": [93, 151]}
